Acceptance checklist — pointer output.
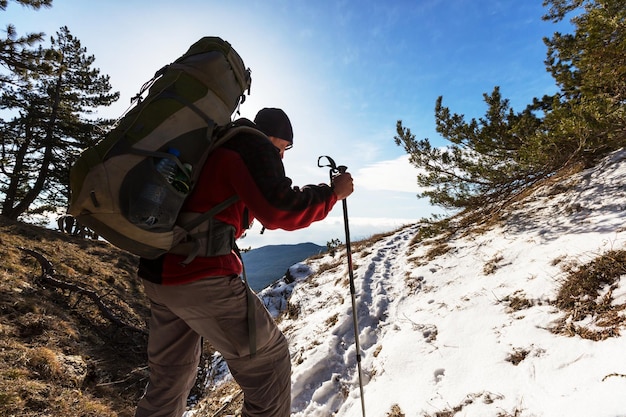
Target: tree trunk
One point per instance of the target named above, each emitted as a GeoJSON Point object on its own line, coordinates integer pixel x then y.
{"type": "Point", "coordinates": [15, 177]}
{"type": "Point", "coordinates": [35, 190]}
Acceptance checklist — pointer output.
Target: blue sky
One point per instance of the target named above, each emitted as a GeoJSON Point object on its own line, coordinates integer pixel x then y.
{"type": "Point", "coordinates": [344, 71]}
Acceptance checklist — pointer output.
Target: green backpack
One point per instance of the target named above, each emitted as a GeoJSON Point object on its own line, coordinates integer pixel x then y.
{"type": "Point", "coordinates": [130, 186]}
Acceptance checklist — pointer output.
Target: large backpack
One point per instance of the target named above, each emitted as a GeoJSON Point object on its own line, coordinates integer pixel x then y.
{"type": "Point", "coordinates": [188, 102]}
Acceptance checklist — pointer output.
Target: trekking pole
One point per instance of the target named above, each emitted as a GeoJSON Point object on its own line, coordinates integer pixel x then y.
{"type": "Point", "coordinates": [334, 171]}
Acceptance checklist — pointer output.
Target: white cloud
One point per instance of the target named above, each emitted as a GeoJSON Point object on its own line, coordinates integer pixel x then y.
{"type": "Point", "coordinates": [390, 175]}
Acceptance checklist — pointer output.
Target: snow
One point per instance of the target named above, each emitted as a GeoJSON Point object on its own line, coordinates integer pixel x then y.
{"type": "Point", "coordinates": [438, 335]}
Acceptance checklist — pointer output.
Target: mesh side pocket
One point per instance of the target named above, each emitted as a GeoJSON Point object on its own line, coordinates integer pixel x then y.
{"type": "Point", "coordinates": [148, 200]}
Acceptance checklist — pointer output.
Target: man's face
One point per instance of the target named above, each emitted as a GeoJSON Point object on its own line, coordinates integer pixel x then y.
{"type": "Point", "coordinates": [280, 144]}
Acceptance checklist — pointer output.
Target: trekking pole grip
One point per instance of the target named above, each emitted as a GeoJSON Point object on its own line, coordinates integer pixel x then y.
{"type": "Point", "coordinates": [334, 169]}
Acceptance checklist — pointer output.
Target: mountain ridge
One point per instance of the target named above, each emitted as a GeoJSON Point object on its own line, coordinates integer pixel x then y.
{"type": "Point", "coordinates": [267, 264]}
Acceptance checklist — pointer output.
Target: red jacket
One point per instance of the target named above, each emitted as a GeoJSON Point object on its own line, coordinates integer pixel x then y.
{"type": "Point", "coordinates": [250, 167]}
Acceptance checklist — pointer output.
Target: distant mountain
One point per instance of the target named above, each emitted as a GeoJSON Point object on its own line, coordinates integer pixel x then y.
{"type": "Point", "coordinates": [267, 264]}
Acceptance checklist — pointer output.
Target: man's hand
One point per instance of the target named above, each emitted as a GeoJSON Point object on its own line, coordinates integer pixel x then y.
{"type": "Point", "coordinates": [342, 185]}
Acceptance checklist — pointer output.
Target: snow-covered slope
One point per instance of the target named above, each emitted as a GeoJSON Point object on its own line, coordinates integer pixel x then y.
{"type": "Point", "coordinates": [441, 336]}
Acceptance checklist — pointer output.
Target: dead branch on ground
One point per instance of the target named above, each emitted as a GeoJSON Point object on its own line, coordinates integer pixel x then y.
{"type": "Point", "coordinates": [47, 277]}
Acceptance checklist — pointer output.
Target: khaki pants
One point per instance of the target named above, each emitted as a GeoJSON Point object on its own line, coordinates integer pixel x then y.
{"type": "Point", "coordinates": [216, 309]}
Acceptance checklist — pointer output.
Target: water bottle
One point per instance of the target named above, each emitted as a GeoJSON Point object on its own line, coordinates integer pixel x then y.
{"type": "Point", "coordinates": [149, 206]}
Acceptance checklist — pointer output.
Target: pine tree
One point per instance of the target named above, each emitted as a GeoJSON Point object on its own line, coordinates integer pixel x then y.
{"type": "Point", "coordinates": [50, 126]}
{"type": "Point", "coordinates": [15, 51]}
{"type": "Point", "coordinates": [491, 159]}
{"type": "Point", "coordinates": [482, 164]}
{"type": "Point", "coordinates": [589, 66]}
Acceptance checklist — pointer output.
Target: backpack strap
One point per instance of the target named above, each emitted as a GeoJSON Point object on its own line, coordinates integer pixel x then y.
{"type": "Point", "coordinates": [232, 129]}
{"type": "Point", "coordinates": [197, 229]}
{"type": "Point", "coordinates": [196, 222]}
{"type": "Point", "coordinates": [207, 215]}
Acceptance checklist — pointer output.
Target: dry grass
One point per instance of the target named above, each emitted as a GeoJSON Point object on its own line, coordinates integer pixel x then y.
{"type": "Point", "coordinates": [328, 266]}
{"type": "Point", "coordinates": [227, 399]}
{"type": "Point", "coordinates": [517, 356]}
{"type": "Point", "coordinates": [587, 294]}
{"type": "Point", "coordinates": [368, 242]}
{"type": "Point", "coordinates": [436, 233]}
{"type": "Point", "coordinates": [485, 397]}
{"type": "Point", "coordinates": [493, 264]}
{"type": "Point", "coordinates": [396, 411]}
{"type": "Point", "coordinates": [517, 301]}
{"type": "Point", "coordinates": [58, 355]}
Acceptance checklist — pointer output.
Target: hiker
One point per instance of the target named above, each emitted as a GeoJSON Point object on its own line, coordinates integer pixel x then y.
{"type": "Point", "coordinates": [207, 298]}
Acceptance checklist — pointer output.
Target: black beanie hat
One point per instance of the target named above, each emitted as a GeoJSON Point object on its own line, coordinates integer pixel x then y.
{"type": "Point", "coordinates": [274, 122]}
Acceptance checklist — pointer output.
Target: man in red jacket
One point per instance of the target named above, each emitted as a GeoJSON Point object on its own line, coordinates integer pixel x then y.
{"type": "Point", "coordinates": [206, 298]}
